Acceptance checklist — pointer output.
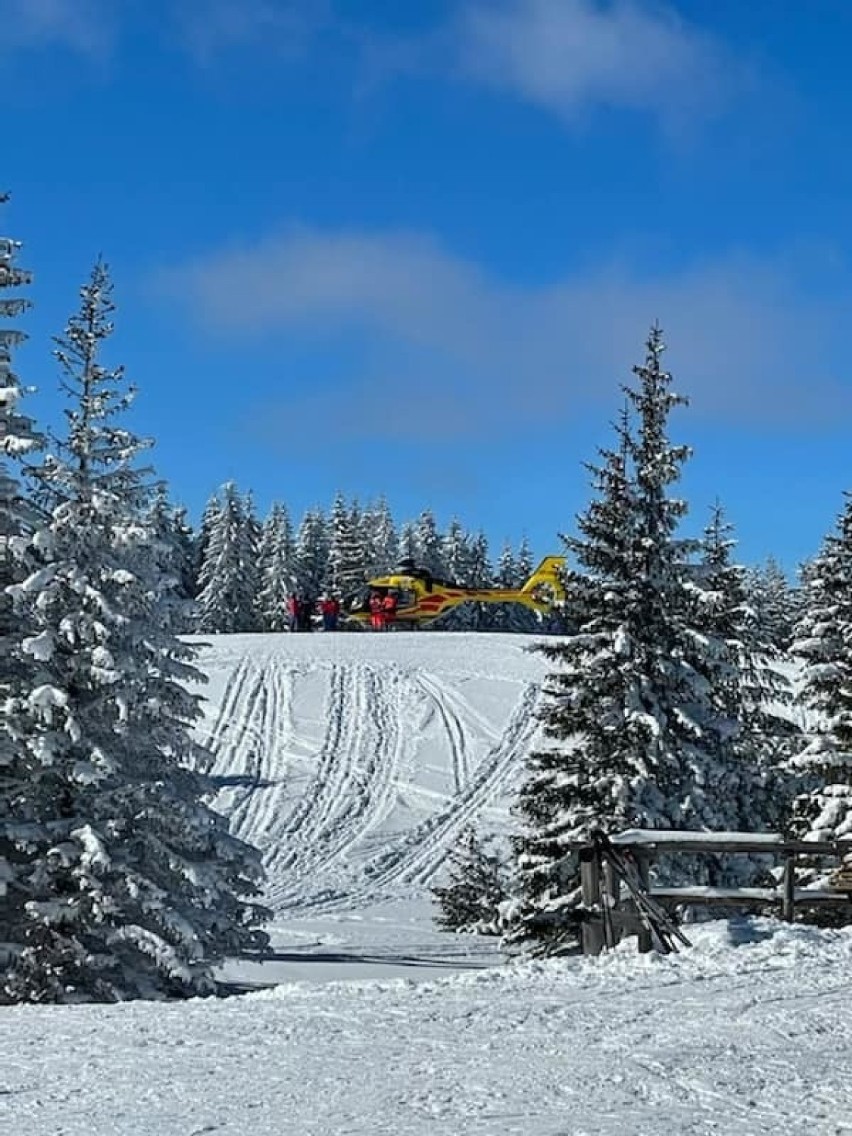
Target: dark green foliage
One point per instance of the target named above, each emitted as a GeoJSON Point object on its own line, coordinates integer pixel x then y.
{"type": "Point", "coordinates": [477, 886]}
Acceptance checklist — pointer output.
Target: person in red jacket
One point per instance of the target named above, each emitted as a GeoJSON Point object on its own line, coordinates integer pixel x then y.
{"type": "Point", "coordinates": [389, 605]}
{"type": "Point", "coordinates": [377, 620]}
{"type": "Point", "coordinates": [294, 611]}
{"type": "Point", "coordinates": [330, 611]}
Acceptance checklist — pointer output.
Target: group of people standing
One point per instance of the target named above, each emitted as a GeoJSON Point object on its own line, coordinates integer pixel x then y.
{"type": "Point", "coordinates": [382, 610]}
{"type": "Point", "coordinates": [300, 612]}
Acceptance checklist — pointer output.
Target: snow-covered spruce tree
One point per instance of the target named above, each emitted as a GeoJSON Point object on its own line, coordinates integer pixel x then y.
{"type": "Point", "coordinates": [456, 555]}
{"type": "Point", "coordinates": [506, 572]}
{"type": "Point", "coordinates": [252, 537]}
{"type": "Point", "coordinates": [208, 523]}
{"type": "Point", "coordinates": [483, 616]}
{"type": "Point", "coordinates": [407, 549]}
{"type": "Point", "coordinates": [172, 538]}
{"type": "Point", "coordinates": [380, 534]}
{"type": "Point", "coordinates": [18, 442]}
{"type": "Point", "coordinates": [523, 561]}
{"type": "Point", "coordinates": [226, 599]}
{"type": "Point", "coordinates": [823, 639]}
{"type": "Point", "coordinates": [511, 574]}
{"type": "Point", "coordinates": [275, 570]}
{"type": "Point", "coordinates": [589, 773]}
{"type": "Point", "coordinates": [185, 552]}
{"type": "Point", "coordinates": [633, 734]}
{"type": "Point", "coordinates": [774, 602]}
{"type": "Point", "coordinates": [134, 886]}
{"type": "Point", "coordinates": [456, 552]}
{"type": "Point", "coordinates": [428, 550]}
{"type": "Point", "coordinates": [477, 886]}
{"type": "Point", "coordinates": [348, 554]}
{"type": "Point", "coordinates": [312, 544]}
{"type": "Point", "coordinates": [748, 689]}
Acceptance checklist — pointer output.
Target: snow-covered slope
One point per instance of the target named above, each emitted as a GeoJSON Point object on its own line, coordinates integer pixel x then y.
{"type": "Point", "coordinates": [353, 761]}
{"type": "Point", "coordinates": [748, 1034]}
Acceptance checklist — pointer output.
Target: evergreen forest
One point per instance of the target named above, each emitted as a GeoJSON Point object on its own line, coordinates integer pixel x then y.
{"type": "Point", "coordinates": [685, 690]}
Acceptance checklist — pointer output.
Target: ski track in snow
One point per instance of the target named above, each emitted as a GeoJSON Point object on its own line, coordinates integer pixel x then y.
{"type": "Point", "coordinates": [318, 797]}
{"type": "Point", "coordinates": [354, 763]}
{"type": "Point", "coordinates": [425, 849]}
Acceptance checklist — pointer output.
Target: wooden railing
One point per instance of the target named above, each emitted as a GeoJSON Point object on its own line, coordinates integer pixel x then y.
{"type": "Point", "coordinates": [620, 899]}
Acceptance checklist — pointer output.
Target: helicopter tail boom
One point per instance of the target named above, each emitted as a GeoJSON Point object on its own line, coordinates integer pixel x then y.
{"type": "Point", "coordinates": [548, 576]}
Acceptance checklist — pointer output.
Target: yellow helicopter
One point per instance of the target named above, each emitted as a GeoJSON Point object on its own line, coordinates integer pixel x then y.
{"type": "Point", "coordinates": [421, 597]}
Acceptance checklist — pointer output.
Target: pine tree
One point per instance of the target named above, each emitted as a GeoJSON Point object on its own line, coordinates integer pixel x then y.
{"type": "Point", "coordinates": [134, 886]}
{"type": "Point", "coordinates": [379, 532]}
{"type": "Point", "coordinates": [19, 441]}
{"type": "Point", "coordinates": [251, 540]}
{"type": "Point", "coordinates": [483, 616]}
{"type": "Point", "coordinates": [168, 529]}
{"type": "Point", "coordinates": [347, 551]}
{"type": "Point", "coordinates": [748, 690]}
{"type": "Point", "coordinates": [507, 572]}
{"type": "Point", "coordinates": [774, 603]}
{"type": "Point", "coordinates": [226, 600]}
{"type": "Point", "coordinates": [633, 734]}
{"type": "Point", "coordinates": [407, 549]}
{"type": "Point", "coordinates": [524, 561]}
{"type": "Point", "coordinates": [823, 639]}
{"type": "Point", "coordinates": [275, 570]}
{"type": "Point", "coordinates": [478, 885]}
{"type": "Point", "coordinates": [312, 544]}
{"type": "Point", "coordinates": [185, 554]}
{"type": "Point", "coordinates": [208, 522]}
{"type": "Point", "coordinates": [18, 438]}
{"type": "Point", "coordinates": [456, 552]}
{"type": "Point", "coordinates": [427, 544]}
{"type": "Point", "coordinates": [456, 555]}
{"type": "Point", "coordinates": [510, 616]}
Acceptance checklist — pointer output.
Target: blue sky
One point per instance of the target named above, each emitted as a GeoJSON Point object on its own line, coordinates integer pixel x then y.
{"type": "Point", "coordinates": [414, 249]}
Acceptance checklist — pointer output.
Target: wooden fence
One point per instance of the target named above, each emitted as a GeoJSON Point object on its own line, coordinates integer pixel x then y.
{"type": "Point", "coordinates": [620, 899]}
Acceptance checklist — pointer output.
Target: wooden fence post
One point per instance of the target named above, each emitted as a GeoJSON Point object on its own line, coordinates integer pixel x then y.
{"type": "Point", "coordinates": [643, 868]}
{"type": "Point", "coordinates": [789, 897]}
{"type": "Point", "coordinates": [611, 896]}
{"type": "Point", "coordinates": [590, 883]}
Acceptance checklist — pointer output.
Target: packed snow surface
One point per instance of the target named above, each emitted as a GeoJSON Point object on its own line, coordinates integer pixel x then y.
{"type": "Point", "coordinates": [354, 761]}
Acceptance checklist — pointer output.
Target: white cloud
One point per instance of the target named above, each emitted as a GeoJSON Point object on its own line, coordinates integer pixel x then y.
{"type": "Point", "coordinates": [83, 26]}
{"type": "Point", "coordinates": [745, 346]}
{"type": "Point", "coordinates": [206, 27]}
{"type": "Point", "coordinates": [570, 55]}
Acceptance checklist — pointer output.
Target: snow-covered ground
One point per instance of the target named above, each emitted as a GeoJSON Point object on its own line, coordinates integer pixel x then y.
{"type": "Point", "coordinates": [353, 761]}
